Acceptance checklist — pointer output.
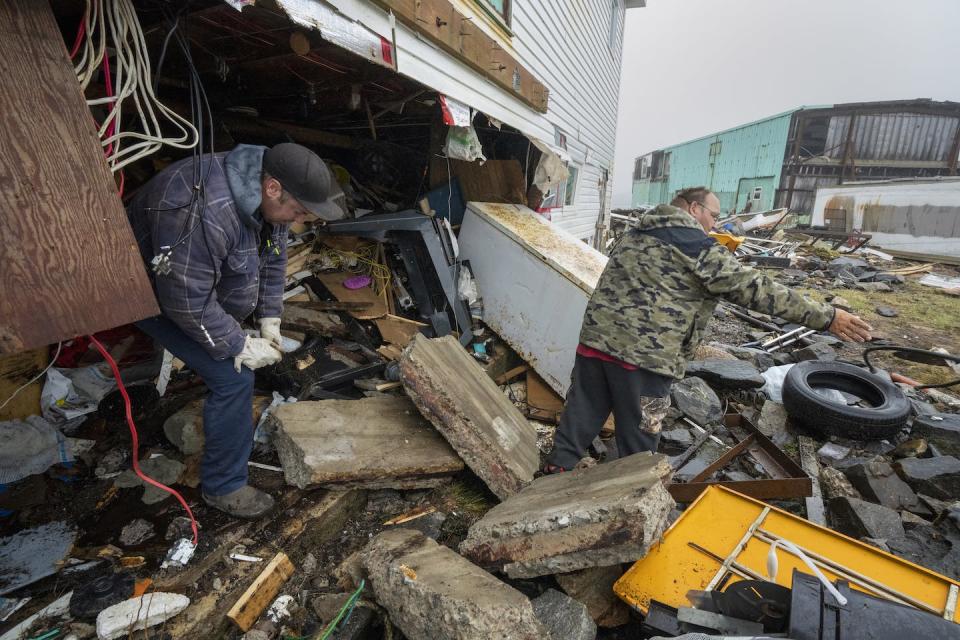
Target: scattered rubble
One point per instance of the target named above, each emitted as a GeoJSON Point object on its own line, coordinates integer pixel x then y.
{"type": "Point", "coordinates": [942, 430]}
{"type": "Point", "coordinates": [432, 593]}
{"type": "Point", "coordinates": [161, 468]}
{"type": "Point", "coordinates": [139, 613]}
{"type": "Point", "coordinates": [834, 484]}
{"type": "Point", "coordinates": [584, 518]}
{"type": "Point", "coordinates": [564, 617]}
{"type": "Point", "coordinates": [372, 443]}
{"type": "Point", "coordinates": [862, 519]}
{"type": "Point", "coordinates": [464, 404]}
{"type": "Point", "coordinates": [594, 588]}
{"type": "Point", "coordinates": [136, 532]}
{"type": "Point", "coordinates": [695, 399]}
{"type": "Point", "coordinates": [726, 374]}
{"type": "Point", "coordinates": [938, 477]}
{"type": "Point", "coordinates": [878, 482]}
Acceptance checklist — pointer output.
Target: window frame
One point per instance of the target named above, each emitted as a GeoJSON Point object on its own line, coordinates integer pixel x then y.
{"type": "Point", "coordinates": [570, 192]}
{"type": "Point", "coordinates": [504, 19]}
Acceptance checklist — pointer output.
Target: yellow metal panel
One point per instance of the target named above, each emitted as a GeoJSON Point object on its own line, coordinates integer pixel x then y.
{"type": "Point", "coordinates": [718, 520]}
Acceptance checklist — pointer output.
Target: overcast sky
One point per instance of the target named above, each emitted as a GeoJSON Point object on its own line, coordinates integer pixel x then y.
{"type": "Point", "coordinates": [693, 67]}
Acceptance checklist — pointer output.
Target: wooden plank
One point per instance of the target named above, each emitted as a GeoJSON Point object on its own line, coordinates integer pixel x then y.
{"type": "Point", "coordinates": [543, 403]}
{"type": "Point", "coordinates": [808, 460]}
{"type": "Point", "coordinates": [494, 181]}
{"type": "Point", "coordinates": [441, 23]}
{"type": "Point", "coordinates": [397, 330]}
{"type": "Point", "coordinates": [507, 376]}
{"type": "Point", "coordinates": [15, 370]}
{"type": "Point", "coordinates": [378, 304]}
{"type": "Point", "coordinates": [70, 262]}
{"type": "Point", "coordinates": [300, 318]}
{"type": "Point", "coordinates": [261, 593]}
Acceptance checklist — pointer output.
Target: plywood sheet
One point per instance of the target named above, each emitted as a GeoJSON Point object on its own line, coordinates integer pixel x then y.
{"type": "Point", "coordinates": [70, 263]}
{"type": "Point", "coordinates": [378, 303]}
{"type": "Point", "coordinates": [15, 370]}
{"type": "Point", "coordinates": [493, 181]}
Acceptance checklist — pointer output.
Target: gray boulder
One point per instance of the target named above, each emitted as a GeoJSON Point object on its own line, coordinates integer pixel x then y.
{"type": "Point", "coordinates": [696, 400]}
{"type": "Point", "coordinates": [564, 617]}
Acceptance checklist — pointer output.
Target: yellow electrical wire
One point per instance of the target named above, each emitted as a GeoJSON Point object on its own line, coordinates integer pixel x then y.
{"type": "Point", "coordinates": [363, 261]}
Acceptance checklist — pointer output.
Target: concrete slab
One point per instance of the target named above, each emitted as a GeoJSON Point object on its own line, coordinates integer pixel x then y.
{"type": "Point", "coordinates": [584, 518]}
{"type": "Point", "coordinates": [466, 406]}
{"type": "Point", "coordinates": [371, 443]}
{"type": "Point", "coordinates": [431, 593]}
{"type": "Point", "coordinates": [594, 588]}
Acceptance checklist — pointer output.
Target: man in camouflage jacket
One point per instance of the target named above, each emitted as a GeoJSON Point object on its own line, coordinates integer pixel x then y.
{"type": "Point", "coordinates": [647, 315]}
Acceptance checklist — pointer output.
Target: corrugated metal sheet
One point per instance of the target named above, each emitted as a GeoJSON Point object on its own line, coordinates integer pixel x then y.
{"type": "Point", "coordinates": [893, 136]}
{"type": "Point", "coordinates": [753, 151]}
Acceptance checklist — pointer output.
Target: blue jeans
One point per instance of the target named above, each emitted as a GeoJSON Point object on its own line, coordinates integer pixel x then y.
{"type": "Point", "coordinates": [227, 412]}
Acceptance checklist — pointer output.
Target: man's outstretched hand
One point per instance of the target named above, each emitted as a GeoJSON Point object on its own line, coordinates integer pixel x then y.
{"type": "Point", "coordinates": [849, 327]}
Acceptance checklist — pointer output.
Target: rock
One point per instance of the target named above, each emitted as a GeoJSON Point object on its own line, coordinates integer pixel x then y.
{"type": "Point", "coordinates": [349, 573]}
{"type": "Point", "coordinates": [844, 263]}
{"type": "Point", "coordinates": [795, 274]}
{"type": "Point", "coordinates": [873, 287]}
{"type": "Point", "coordinates": [921, 408]}
{"type": "Point", "coordinates": [594, 588]}
{"type": "Point", "coordinates": [841, 303]}
{"type": "Point", "coordinates": [184, 429]}
{"type": "Point", "coordinates": [925, 547]}
{"type": "Point", "coordinates": [136, 532]}
{"type": "Point", "coordinates": [891, 278]}
{"type": "Point", "coordinates": [878, 482]}
{"type": "Point", "coordinates": [911, 521]}
{"type": "Point", "coordinates": [886, 312]}
{"type": "Point", "coordinates": [711, 352]}
{"type": "Point", "coordinates": [816, 351]}
{"type": "Point", "coordinates": [834, 484]}
{"type": "Point", "coordinates": [161, 468]}
{"type": "Point", "coordinates": [370, 443]}
{"type": "Point", "coordinates": [387, 501]}
{"type": "Point", "coordinates": [938, 477]}
{"type": "Point", "coordinates": [861, 519]}
{"type": "Point", "coordinates": [910, 449]}
{"type": "Point", "coordinates": [706, 455]}
{"type": "Point", "coordinates": [697, 401]}
{"type": "Point", "coordinates": [832, 452]}
{"type": "Point", "coordinates": [469, 410]}
{"type": "Point", "coordinates": [759, 358]}
{"type": "Point", "coordinates": [309, 564]}
{"type": "Point", "coordinates": [738, 476]}
{"type": "Point", "coordinates": [362, 624]}
{"type": "Point", "coordinates": [429, 525]}
{"type": "Point", "coordinates": [879, 543]}
{"type": "Point", "coordinates": [564, 617]}
{"type": "Point", "coordinates": [679, 436]}
{"type": "Point", "coordinates": [584, 518]}
{"type": "Point", "coordinates": [726, 374]}
{"type": "Point", "coordinates": [328, 605]}
{"type": "Point", "coordinates": [431, 593]}
{"type": "Point", "coordinates": [773, 423]}
{"type": "Point", "coordinates": [942, 430]}
{"type": "Point", "coordinates": [139, 613]}
{"type": "Point", "coordinates": [179, 527]}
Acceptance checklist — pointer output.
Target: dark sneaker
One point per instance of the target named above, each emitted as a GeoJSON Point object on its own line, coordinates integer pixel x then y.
{"type": "Point", "coordinates": [246, 502]}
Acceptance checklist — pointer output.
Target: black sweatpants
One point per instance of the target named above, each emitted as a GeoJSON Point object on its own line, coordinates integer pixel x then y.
{"type": "Point", "coordinates": [599, 387]}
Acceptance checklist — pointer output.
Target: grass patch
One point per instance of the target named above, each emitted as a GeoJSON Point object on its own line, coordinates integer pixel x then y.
{"type": "Point", "coordinates": [464, 496]}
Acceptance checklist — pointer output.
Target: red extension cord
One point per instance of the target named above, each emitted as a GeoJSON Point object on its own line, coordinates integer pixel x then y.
{"type": "Point", "coordinates": [136, 439]}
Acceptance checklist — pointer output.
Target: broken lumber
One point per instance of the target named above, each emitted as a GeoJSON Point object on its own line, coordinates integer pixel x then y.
{"type": "Point", "coordinates": [300, 317]}
{"type": "Point", "coordinates": [261, 593]}
{"type": "Point", "coordinates": [466, 406]}
{"type": "Point", "coordinates": [371, 443]}
{"type": "Point", "coordinates": [431, 593]}
{"type": "Point", "coordinates": [594, 517]}
{"type": "Point", "coordinates": [397, 330]}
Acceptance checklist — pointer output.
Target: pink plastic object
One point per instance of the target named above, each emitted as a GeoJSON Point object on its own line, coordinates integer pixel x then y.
{"type": "Point", "coordinates": [357, 282]}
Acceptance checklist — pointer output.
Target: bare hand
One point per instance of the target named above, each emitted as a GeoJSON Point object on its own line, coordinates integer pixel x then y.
{"type": "Point", "coordinates": [849, 327]}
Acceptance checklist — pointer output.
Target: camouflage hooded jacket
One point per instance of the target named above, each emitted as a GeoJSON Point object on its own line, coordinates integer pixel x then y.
{"type": "Point", "coordinates": [661, 285]}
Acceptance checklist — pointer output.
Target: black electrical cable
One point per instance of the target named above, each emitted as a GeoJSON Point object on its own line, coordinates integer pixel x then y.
{"type": "Point", "coordinates": [925, 352]}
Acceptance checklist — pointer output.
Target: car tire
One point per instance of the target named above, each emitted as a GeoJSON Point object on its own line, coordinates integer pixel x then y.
{"type": "Point", "coordinates": [887, 415]}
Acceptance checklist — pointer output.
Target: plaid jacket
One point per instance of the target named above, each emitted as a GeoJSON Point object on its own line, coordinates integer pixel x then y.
{"type": "Point", "coordinates": [222, 268]}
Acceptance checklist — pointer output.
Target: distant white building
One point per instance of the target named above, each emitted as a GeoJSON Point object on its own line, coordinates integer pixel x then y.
{"type": "Point", "coordinates": [902, 216]}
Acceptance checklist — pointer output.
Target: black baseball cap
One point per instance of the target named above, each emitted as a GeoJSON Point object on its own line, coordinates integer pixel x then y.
{"type": "Point", "coordinates": [305, 176]}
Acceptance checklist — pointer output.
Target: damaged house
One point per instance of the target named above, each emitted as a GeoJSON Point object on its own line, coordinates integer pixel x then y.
{"type": "Point", "coordinates": [431, 307]}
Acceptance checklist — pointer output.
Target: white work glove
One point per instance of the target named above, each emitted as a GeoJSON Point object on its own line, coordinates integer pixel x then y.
{"type": "Point", "coordinates": [270, 330]}
{"type": "Point", "coordinates": [257, 352]}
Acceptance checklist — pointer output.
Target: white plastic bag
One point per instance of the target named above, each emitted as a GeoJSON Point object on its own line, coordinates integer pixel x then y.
{"type": "Point", "coordinates": [463, 144]}
{"type": "Point", "coordinates": [30, 446]}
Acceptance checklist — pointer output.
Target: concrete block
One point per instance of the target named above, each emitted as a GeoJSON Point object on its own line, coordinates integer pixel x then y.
{"type": "Point", "coordinates": [139, 613]}
{"type": "Point", "coordinates": [564, 617]}
{"type": "Point", "coordinates": [371, 443]}
{"type": "Point", "coordinates": [834, 484]}
{"type": "Point", "coordinates": [431, 593]}
{"type": "Point", "coordinates": [594, 588]}
{"type": "Point", "coordinates": [466, 406]}
{"type": "Point", "coordinates": [584, 518]}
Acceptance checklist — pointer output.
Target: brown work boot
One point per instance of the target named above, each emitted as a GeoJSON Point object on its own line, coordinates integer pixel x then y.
{"type": "Point", "coordinates": [246, 502]}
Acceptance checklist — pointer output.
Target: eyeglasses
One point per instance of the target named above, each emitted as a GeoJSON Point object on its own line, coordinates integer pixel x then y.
{"type": "Point", "coordinates": [714, 214]}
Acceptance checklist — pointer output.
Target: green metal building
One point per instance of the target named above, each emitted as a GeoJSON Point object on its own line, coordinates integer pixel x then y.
{"type": "Point", "coordinates": [780, 161]}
